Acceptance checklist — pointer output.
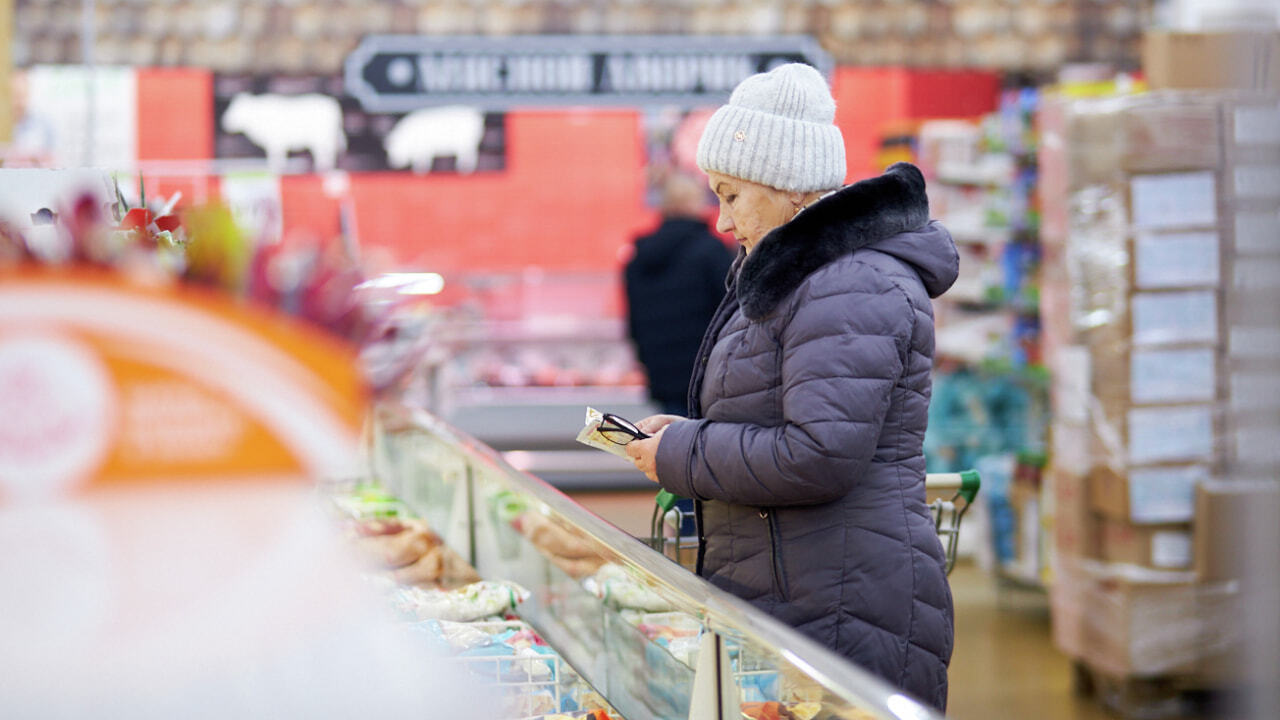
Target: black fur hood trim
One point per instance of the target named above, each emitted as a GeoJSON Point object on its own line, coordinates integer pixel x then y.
{"type": "Point", "coordinates": [853, 217]}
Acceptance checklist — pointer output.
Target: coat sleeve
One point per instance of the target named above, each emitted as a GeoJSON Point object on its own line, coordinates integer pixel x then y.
{"type": "Point", "coordinates": [842, 355]}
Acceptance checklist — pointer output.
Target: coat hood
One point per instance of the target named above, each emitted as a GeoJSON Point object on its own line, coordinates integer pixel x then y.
{"type": "Point", "coordinates": [656, 252]}
{"type": "Point", "coordinates": [889, 213]}
{"type": "Point", "coordinates": [929, 251]}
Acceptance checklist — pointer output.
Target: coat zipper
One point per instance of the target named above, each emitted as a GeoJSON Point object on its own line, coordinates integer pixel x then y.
{"type": "Point", "coordinates": [775, 555]}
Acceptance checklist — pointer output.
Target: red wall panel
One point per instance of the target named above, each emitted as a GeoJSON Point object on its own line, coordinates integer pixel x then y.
{"type": "Point", "coordinates": [570, 199]}
{"type": "Point", "coordinates": [870, 99]}
{"type": "Point", "coordinates": [952, 93]}
{"type": "Point", "coordinates": [307, 213]}
{"type": "Point", "coordinates": [175, 114]}
{"type": "Point", "coordinates": [866, 100]}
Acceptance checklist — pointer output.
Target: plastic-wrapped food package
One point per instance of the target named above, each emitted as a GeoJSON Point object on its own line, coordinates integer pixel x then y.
{"type": "Point", "coordinates": [471, 602]}
{"type": "Point", "coordinates": [364, 501]}
{"type": "Point", "coordinates": [678, 632]}
{"type": "Point", "coordinates": [618, 589]}
{"type": "Point", "coordinates": [399, 549]}
{"type": "Point", "coordinates": [571, 551]}
{"type": "Point", "coordinates": [577, 715]}
{"type": "Point", "coordinates": [773, 710]}
{"type": "Point", "coordinates": [456, 637]}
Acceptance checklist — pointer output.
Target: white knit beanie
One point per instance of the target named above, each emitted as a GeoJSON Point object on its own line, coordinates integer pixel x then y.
{"type": "Point", "coordinates": [777, 130]}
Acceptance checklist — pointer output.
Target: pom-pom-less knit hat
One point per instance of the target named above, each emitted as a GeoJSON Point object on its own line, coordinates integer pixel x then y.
{"type": "Point", "coordinates": [777, 130]}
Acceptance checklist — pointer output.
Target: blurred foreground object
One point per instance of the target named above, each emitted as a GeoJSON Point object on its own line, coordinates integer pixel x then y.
{"type": "Point", "coordinates": [166, 556]}
{"type": "Point", "coordinates": [126, 355]}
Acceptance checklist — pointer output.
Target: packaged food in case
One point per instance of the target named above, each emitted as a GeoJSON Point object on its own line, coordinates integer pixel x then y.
{"type": "Point", "coordinates": [471, 602]}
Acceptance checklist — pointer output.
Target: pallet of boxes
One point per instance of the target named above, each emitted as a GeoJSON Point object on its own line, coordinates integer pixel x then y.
{"type": "Point", "coordinates": [1161, 312]}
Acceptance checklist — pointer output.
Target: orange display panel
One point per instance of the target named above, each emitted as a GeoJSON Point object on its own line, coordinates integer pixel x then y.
{"type": "Point", "coordinates": [107, 382]}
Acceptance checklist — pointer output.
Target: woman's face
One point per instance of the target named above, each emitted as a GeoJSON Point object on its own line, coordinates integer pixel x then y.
{"type": "Point", "coordinates": [750, 210]}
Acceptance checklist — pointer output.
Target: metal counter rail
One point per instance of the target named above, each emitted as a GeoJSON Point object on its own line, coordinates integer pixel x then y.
{"type": "Point", "coordinates": [720, 612]}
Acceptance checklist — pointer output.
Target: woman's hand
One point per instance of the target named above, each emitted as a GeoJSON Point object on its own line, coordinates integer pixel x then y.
{"type": "Point", "coordinates": [644, 453]}
{"type": "Point", "coordinates": [654, 423]}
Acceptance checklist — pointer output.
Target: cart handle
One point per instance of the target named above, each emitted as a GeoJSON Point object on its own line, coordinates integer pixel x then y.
{"type": "Point", "coordinates": [666, 500]}
{"type": "Point", "coordinates": [965, 483]}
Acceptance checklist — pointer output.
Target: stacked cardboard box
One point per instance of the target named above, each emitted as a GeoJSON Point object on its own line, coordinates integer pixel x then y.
{"type": "Point", "coordinates": [1242, 60]}
{"type": "Point", "coordinates": [1161, 315]}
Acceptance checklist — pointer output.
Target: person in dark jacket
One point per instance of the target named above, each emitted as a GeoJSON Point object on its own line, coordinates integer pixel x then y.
{"type": "Point", "coordinates": [674, 282]}
{"type": "Point", "coordinates": [809, 401]}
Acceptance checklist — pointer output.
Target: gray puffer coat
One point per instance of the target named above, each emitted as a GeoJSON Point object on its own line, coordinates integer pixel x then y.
{"type": "Point", "coordinates": [810, 401]}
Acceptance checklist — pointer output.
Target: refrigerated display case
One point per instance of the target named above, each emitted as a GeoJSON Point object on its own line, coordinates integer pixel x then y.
{"type": "Point", "coordinates": [654, 640]}
{"type": "Point", "coordinates": [515, 363]}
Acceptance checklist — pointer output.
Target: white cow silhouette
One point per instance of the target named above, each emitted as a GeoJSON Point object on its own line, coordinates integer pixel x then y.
{"type": "Point", "coordinates": [280, 123]}
{"type": "Point", "coordinates": [423, 135]}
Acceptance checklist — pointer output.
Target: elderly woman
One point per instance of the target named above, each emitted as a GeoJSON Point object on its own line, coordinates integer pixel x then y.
{"type": "Point", "coordinates": [808, 404]}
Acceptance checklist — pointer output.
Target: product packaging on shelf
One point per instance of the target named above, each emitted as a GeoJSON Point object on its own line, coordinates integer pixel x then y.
{"type": "Point", "coordinates": [1075, 525]}
{"type": "Point", "coordinates": [1230, 517]}
{"type": "Point", "coordinates": [1162, 319]}
{"type": "Point", "coordinates": [1246, 60]}
{"type": "Point", "coordinates": [1150, 266]}
{"type": "Point", "coordinates": [1162, 494]}
{"type": "Point", "coordinates": [1126, 620]}
{"type": "Point", "coordinates": [1251, 127]}
{"type": "Point", "coordinates": [990, 398]}
{"type": "Point", "coordinates": [1169, 131]}
{"type": "Point", "coordinates": [1160, 547]}
{"type": "Point", "coordinates": [1022, 553]}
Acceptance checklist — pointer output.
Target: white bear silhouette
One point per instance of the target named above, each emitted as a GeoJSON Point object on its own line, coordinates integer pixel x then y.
{"type": "Point", "coordinates": [280, 123]}
{"type": "Point", "coordinates": [423, 135]}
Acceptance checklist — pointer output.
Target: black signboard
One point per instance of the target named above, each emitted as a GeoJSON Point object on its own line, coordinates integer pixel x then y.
{"type": "Point", "coordinates": [287, 113]}
{"type": "Point", "coordinates": [402, 73]}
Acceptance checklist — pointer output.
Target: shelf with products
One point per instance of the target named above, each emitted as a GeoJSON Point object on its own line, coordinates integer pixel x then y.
{"type": "Point", "coordinates": [982, 178]}
{"type": "Point", "coordinates": [990, 399]}
{"type": "Point", "coordinates": [651, 639]}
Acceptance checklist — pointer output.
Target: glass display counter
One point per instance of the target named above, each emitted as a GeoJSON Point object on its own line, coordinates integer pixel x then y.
{"type": "Point", "coordinates": [657, 642]}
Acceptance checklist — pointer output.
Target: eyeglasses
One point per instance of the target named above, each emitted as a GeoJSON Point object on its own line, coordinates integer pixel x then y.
{"type": "Point", "coordinates": [619, 431]}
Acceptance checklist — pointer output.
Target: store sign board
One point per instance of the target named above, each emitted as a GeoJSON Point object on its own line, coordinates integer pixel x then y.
{"type": "Point", "coordinates": [298, 123]}
{"type": "Point", "coordinates": [402, 73]}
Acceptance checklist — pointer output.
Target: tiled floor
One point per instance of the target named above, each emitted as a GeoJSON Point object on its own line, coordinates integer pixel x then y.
{"type": "Point", "coordinates": [1005, 665]}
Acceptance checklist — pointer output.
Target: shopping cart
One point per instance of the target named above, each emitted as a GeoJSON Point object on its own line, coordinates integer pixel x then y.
{"type": "Point", "coordinates": [953, 493]}
{"type": "Point", "coordinates": [667, 515]}
{"type": "Point", "coordinates": [948, 511]}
